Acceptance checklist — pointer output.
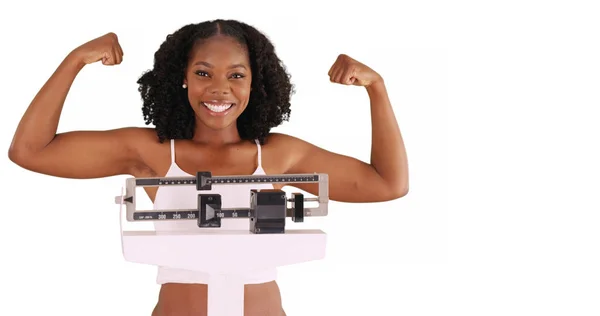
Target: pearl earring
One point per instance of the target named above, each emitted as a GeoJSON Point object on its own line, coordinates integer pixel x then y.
{"type": "Point", "coordinates": [184, 85]}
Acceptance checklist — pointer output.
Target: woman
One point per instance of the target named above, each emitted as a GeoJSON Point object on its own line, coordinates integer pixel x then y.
{"type": "Point", "coordinates": [214, 93]}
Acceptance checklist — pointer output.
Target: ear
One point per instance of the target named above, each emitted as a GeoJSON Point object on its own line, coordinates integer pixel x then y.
{"type": "Point", "coordinates": [184, 79]}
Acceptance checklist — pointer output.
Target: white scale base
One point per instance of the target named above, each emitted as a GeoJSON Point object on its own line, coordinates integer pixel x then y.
{"type": "Point", "coordinates": [223, 254]}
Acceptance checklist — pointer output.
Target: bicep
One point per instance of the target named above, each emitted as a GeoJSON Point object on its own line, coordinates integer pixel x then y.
{"type": "Point", "coordinates": [350, 179]}
{"type": "Point", "coordinates": [84, 154]}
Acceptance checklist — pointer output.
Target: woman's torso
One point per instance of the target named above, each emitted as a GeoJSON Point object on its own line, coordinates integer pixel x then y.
{"type": "Point", "coordinates": [245, 158]}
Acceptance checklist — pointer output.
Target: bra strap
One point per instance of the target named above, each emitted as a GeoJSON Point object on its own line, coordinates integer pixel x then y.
{"type": "Point", "coordinates": [259, 153]}
{"type": "Point", "coordinates": [172, 151]}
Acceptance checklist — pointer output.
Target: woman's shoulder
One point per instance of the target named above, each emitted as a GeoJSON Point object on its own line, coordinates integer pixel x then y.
{"type": "Point", "coordinates": [286, 142]}
{"type": "Point", "coordinates": [139, 135]}
{"type": "Point", "coordinates": [135, 132]}
{"type": "Point", "coordinates": [279, 139]}
{"type": "Point", "coordinates": [281, 143]}
{"type": "Point", "coordinates": [146, 132]}
{"type": "Point", "coordinates": [139, 139]}
{"type": "Point", "coordinates": [284, 150]}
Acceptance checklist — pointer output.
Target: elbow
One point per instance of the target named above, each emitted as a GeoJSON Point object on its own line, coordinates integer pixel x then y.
{"type": "Point", "coordinates": [390, 190]}
{"type": "Point", "coordinates": [398, 192]}
{"type": "Point", "coordinates": [393, 187]}
{"type": "Point", "coordinates": [397, 189]}
{"type": "Point", "coordinates": [19, 155]}
{"type": "Point", "coordinates": [14, 154]}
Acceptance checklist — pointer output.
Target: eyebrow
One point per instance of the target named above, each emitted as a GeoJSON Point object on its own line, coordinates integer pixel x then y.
{"type": "Point", "coordinates": [211, 66]}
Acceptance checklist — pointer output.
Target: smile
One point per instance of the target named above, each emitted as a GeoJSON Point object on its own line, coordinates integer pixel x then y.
{"type": "Point", "coordinates": [218, 107]}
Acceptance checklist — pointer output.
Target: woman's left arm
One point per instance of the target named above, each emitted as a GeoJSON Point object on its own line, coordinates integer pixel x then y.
{"type": "Point", "coordinates": [352, 180]}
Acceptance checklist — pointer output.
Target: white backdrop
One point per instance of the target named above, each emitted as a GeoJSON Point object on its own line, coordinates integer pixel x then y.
{"type": "Point", "coordinates": [510, 230]}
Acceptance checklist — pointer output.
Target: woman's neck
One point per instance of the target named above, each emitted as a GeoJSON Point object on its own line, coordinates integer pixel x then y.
{"type": "Point", "coordinates": [226, 136]}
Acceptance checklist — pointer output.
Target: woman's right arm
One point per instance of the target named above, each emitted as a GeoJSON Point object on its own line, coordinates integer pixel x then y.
{"type": "Point", "coordinates": [77, 154]}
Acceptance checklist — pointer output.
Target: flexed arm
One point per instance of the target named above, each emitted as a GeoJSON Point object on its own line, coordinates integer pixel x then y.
{"type": "Point", "coordinates": [351, 180]}
{"type": "Point", "coordinates": [78, 154]}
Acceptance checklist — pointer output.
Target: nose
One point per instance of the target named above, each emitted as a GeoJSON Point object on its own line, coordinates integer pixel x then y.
{"type": "Point", "coordinates": [220, 86]}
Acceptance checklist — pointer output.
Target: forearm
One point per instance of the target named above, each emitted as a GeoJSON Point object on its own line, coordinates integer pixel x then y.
{"type": "Point", "coordinates": [388, 154]}
{"type": "Point", "coordinates": [39, 123]}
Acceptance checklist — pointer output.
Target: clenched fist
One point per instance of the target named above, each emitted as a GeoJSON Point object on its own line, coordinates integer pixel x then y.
{"type": "Point", "coordinates": [348, 71]}
{"type": "Point", "coordinates": [105, 48]}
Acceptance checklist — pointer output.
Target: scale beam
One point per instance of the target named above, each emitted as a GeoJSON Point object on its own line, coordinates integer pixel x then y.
{"type": "Point", "coordinates": [268, 208]}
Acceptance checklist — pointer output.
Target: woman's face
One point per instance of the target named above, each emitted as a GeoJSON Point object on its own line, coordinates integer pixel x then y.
{"type": "Point", "coordinates": [218, 80]}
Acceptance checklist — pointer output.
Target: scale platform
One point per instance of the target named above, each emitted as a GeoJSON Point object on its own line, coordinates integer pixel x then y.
{"type": "Point", "coordinates": [227, 254]}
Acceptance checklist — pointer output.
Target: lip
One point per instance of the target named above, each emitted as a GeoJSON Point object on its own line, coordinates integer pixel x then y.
{"type": "Point", "coordinates": [217, 102]}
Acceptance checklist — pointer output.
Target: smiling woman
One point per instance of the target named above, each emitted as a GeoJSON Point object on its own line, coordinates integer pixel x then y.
{"type": "Point", "coordinates": [215, 91]}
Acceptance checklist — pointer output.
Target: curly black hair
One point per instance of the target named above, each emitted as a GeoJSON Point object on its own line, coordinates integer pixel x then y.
{"type": "Point", "coordinates": [166, 106]}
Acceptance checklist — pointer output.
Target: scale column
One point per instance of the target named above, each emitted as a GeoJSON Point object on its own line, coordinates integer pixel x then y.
{"type": "Point", "coordinates": [225, 295]}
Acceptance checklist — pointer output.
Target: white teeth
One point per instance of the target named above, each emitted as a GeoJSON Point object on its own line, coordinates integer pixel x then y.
{"type": "Point", "coordinates": [217, 108]}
